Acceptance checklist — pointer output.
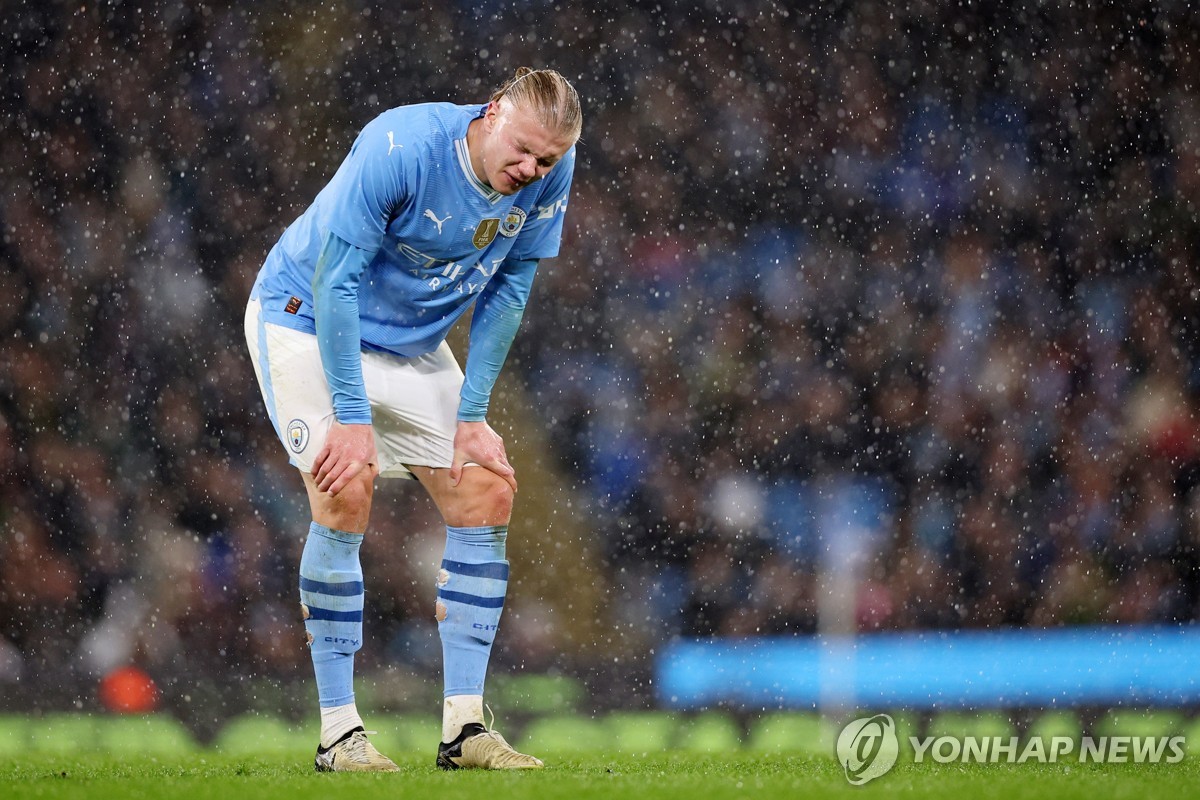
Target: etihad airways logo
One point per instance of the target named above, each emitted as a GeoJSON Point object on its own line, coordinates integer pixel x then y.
{"type": "Point", "coordinates": [441, 276]}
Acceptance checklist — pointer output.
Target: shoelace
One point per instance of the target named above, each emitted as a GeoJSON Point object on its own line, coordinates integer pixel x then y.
{"type": "Point", "coordinates": [491, 727]}
{"type": "Point", "coordinates": [357, 744]}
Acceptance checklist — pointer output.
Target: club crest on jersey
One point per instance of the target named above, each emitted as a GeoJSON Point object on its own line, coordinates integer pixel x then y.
{"type": "Point", "coordinates": [513, 222]}
{"type": "Point", "coordinates": [297, 434]}
{"type": "Point", "coordinates": [485, 232]}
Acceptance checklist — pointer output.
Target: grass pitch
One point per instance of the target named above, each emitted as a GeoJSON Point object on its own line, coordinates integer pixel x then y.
{"type": "Point", "coordinates": [669, 775]}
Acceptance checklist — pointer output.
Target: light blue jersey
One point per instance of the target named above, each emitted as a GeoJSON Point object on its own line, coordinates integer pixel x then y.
{"type": "Point", "coordinates": [434, 236]}
{"type": "Point", "coordinates": [407, 192]}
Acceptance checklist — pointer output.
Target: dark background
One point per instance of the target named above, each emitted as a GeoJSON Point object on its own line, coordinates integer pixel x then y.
{"type": "Point", "coordinates": [923, 272]}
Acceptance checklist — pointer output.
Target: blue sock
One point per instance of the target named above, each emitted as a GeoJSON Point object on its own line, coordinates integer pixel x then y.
{"type": "Point", "coordinates": [331, 589]}
{"type": "Point", "coordinates": [471, 586]}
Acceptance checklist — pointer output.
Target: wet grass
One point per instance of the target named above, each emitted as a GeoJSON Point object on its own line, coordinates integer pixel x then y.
{"type": "Point", "coordinates": [666, 775]}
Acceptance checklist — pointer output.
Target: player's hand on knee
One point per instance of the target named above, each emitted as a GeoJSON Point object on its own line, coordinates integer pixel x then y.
{"type": "Point", "coordinates": [348, 450]}
{"type": "Point", "coordinates": [477, 443]}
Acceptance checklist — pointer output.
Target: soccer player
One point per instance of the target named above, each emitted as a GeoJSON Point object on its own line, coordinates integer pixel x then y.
{"type": "Point", "coordinates": [437, 206]}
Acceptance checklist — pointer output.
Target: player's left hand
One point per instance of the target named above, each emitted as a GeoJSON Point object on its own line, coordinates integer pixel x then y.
{"type": "Point", "coordinates": [477, 443]}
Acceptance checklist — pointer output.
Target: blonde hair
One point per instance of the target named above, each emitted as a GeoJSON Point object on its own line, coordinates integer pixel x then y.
{"type": "Point", "coordinates": [547, 95]}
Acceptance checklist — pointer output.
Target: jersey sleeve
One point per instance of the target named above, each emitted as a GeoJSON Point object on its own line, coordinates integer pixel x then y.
{"type": "Point", "coordinates": [370, 184]}
{"type": "Point", "coordinates": [335, 306]}
{"type": "Point", "coordinates": [494, 325]}
{"type": "Point", "coordinates": [542, 233]}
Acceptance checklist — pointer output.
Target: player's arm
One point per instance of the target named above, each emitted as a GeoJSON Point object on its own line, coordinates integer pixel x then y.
{"type": "Point", "coordinates": [350, 446]}
{"type": "Point", "coordinates": [335, 306]}
{"type": "Point", "coordinates": [501, 305]}
{"type": "Point", "coordinates": [369, 185]}
{"type": "Point", "coordinates": [497, 317]}
{"type": "Point", "coordinates": [498, 314]}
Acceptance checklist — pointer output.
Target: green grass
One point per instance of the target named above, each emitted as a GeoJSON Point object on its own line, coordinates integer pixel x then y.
{"type": "Point", "coordinates": [670, 775]}
{"type": "Point", "coordinates": [618, 756]}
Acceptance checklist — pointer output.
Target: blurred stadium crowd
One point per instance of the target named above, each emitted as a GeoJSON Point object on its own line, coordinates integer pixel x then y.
{"type": "Point", "coordinates": [908, 286]}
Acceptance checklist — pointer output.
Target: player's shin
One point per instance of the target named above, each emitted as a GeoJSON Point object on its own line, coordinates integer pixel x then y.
{"type": "Point", "coordinates": [331, 596]}
{"type": "Point", "coordinates": [471, 585]}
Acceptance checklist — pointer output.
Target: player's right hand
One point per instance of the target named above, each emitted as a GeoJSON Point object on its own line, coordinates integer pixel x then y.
{"type": "Point", "coordinates": [348, 450]}
{"type": "Point", "coordinates": [477, 443]}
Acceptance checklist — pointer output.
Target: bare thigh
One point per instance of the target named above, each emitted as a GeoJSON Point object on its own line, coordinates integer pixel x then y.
{"type": "Point", "coordinates": [482, 498]}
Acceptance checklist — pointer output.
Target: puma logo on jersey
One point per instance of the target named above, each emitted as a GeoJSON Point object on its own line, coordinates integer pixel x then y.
{"type": "Point", "coordinates": [429, 213]}
{"type": "Point", "coordinates": [392, 142]}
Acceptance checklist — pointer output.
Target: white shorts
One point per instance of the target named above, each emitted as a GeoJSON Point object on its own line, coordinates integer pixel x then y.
{"type": "Point", "coordinates": [414, 401]}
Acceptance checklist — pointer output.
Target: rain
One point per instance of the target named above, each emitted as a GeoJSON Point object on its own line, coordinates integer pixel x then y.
{"type": "Point", "coordinates": [870, 319]}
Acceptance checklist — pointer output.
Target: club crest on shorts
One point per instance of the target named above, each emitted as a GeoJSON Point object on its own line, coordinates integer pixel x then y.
{"type": "Point", "coordinates": [513, 222]}
{"type": "Point", "coordinates": [485, 232]}
{"type": "Point", "coordinates": [297, 435]}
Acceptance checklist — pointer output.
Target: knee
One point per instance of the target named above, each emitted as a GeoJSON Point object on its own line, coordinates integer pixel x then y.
{"type": "Point", "coordinates": [484, 498]}
{"type": "Point", "coordinates": [348, 510]}
{"type": "Point", "coordinates": [355, 496]}
{"type": "Point", "coordinates": [496, 501]}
